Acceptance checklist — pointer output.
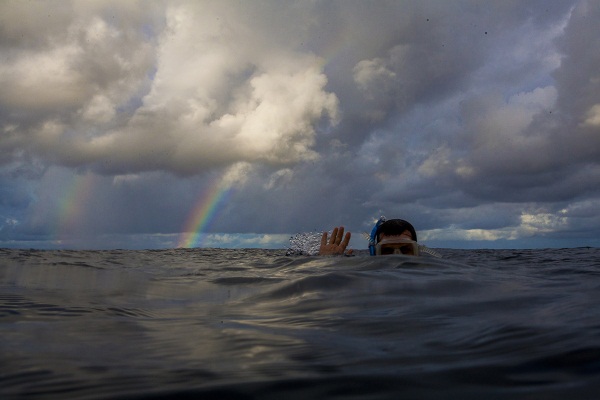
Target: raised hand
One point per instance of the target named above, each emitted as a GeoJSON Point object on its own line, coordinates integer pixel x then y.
{"type": "Point", "coordinates": [336, 244]}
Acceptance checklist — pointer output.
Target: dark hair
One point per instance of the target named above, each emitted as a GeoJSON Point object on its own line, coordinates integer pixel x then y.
{"type": "Point", "coordinates": [395, 227]}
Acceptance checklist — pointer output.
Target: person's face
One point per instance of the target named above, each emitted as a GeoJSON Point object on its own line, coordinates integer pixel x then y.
{"type": "Point", "coordinates": [397, 244]}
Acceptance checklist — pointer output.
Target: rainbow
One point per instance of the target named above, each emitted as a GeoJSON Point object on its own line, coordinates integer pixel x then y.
{"type": "Point", "coordinates": [203, 213]}
{"type": "Point", "coordinates": [71, 206]}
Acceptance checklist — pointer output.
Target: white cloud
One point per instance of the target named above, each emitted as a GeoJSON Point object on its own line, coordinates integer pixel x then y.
{"type": "Point", "coordinates": [373, 76]}
{"type": "Point", "coordinates": [41, 80]}
{"type": "Point", "coordinates": [532, 224]}
{"type": "Point", "coordinates": [249, 240]}
{"type": "Point", "coordinates": [455, 234]}
{"type": "Point", "coordinates": [99, 109]}
{"type": "Point", "coordinates": [593, 117]}
{"type": "Point", "coordinates": [236, 174]}
{"type": "Point", "coordinates": [278, 178]}
{"type": "Point", "coordinates": [223, 92]}
{"type": "Point", "coordinates": [124, 179]}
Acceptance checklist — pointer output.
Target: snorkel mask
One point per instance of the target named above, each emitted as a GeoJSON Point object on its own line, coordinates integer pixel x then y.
{"type": "Point", "coordinates": [396, 245]}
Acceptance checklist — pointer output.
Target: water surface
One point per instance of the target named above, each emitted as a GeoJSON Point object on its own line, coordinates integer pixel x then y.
{"type": "Point", "coordinates": [208, 323]}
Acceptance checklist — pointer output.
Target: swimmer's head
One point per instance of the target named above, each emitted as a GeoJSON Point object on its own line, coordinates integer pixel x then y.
{"type": "Point", "coordinates": [397, 231]}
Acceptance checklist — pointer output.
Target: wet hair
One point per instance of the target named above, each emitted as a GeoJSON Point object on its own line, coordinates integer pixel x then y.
{"type": "Point", "coordinates": [396, 227]}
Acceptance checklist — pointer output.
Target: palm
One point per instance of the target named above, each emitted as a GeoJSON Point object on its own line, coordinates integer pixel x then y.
{"type": "Point", "coordinates": [336, 244]}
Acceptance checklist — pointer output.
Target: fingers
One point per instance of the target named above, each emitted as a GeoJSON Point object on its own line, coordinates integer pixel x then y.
{"type": "Point", "coordinates": [324, 239]}
{"type": "Point", "coordinates": [334, 236]}
{"type": "Point", "coordinates": [337, 242]}
{"type": "Point", "coordinates": [346, 239]}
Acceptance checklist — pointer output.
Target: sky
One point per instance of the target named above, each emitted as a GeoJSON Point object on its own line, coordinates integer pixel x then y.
{"type": "Point", "coordinates": [163, 124]}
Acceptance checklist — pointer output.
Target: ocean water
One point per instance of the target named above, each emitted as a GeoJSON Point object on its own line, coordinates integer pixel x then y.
{"type": "Point", "coordinates": [257, 324]}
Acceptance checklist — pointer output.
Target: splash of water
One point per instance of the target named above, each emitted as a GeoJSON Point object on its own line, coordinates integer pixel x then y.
{"type": "Point", "coordinates": [305, 244]}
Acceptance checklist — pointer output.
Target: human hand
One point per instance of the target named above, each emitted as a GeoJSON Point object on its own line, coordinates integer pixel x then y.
{"type": "Point", "coordinates": [336, 245]}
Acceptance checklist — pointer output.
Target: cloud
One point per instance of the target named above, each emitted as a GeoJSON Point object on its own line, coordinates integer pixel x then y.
{"type": "Point", "coordinates": [476, 122]}
{"type": "Point", "coordinates": [264, 241]}
{"type": "Point", "coordinates": [593, 117]}
{"type": "Point", "coordinates": [205, 92]}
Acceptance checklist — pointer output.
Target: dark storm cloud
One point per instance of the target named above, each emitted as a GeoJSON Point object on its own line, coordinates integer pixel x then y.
{"type": "Point", "coordinates": [551, 153]}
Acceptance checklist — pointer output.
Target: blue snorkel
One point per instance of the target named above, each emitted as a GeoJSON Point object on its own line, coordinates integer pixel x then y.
{"type": "Point", "coordinates": [373, 237]}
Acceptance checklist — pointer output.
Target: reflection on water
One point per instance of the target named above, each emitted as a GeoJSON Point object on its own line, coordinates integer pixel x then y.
{"type": "Point", "coordinates": [257, 323]}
